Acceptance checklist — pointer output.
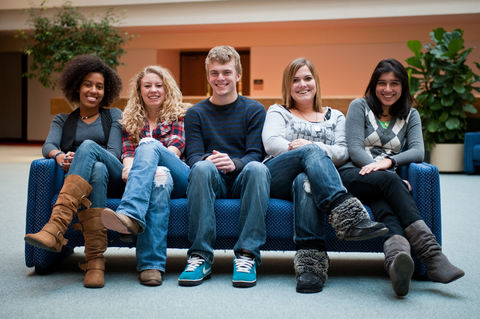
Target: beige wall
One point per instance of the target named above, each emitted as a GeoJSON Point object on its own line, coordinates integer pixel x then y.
{"type": "Point", "coordinates": [344, 52]}
{"type": "Point", "coordinates": [39, 116]}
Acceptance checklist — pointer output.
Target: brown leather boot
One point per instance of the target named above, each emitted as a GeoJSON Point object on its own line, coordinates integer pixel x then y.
{"type": "Point", "coordinates": [95, 235]}
{"type": "Point", "coordinates": [425, 245]}
{"type": "Point", "coordinates": [72, 195]}
{"type": "Point", "coordinates": [398, 263]}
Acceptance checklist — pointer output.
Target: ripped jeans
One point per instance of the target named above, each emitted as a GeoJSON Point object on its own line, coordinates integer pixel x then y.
{"type": "Point", "coordinates": [156, 176]}
{"type": "Point", "coordinates": [307, 176]}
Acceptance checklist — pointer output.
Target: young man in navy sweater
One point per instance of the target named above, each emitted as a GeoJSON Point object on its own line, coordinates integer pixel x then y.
{"type": "Point", "coordinates": [224, 151]}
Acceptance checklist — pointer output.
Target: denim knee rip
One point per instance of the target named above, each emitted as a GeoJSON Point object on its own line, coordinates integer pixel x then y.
{"type": "Point", "coordinates": [306, 186]}
{"type": "Point", "coordinates": [146, 140]}
{"type": "Point", "coordinates": [161, 176]}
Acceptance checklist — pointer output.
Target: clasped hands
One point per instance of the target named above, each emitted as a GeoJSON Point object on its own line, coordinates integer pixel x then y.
{"type": "Point", "coordinates": [222, 162]}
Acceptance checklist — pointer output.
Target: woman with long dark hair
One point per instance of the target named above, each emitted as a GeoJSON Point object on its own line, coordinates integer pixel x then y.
{"type": "Point", "coordinates": [378, 127]}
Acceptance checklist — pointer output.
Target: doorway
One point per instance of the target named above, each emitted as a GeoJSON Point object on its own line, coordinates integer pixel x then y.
{"type": "Point", "coordinates": [193, 77]}
{"type": "Point", "coordinates": [13, 89]}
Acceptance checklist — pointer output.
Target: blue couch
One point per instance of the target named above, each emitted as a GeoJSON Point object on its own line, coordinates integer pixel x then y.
{"type": "Point", "coordinates": [471, 157]}
{"type": "Point", "coordinates": [46, 179]}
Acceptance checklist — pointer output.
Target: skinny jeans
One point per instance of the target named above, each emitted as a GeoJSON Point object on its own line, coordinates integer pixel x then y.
{"type": "Point", "coordinates": [101, 170]}
{"type": "Point", "coordinates": [386, 194]}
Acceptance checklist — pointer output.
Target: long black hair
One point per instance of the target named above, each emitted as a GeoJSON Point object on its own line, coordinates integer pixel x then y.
{"type": "Point", "coordinates": [399, 109]}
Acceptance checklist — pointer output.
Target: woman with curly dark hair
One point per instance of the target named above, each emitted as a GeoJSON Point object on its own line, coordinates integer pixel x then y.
{"type": "Point", "coordinates": [87, 145]}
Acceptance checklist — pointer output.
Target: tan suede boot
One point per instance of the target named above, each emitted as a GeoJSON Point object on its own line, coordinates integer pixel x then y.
{"type": "Point", "coordinates": [95, 235]}
{"type": "Point", "coordinates": [72, 195]}
{"type": "Point", "coordinates": [425, 245]}
{"type": "Point", "coordinates": [398, 263]}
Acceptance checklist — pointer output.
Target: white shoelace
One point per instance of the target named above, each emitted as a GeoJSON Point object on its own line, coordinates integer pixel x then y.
{"type": "Point", "coordinates": [244, 264]}
{"type": "Point", "coordinates": [194, 262]}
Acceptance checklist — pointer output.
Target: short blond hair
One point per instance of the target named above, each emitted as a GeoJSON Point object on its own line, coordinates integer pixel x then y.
{"type": "Point", "coordinates": [223, 54]}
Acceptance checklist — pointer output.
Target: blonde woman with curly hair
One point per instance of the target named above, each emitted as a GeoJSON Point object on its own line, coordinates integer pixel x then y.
{"type": "Point", "coordinates": [153, 142]}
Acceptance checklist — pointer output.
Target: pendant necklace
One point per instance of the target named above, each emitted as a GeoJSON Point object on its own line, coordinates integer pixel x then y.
{"type": "Point", "coordinates": [87, 117]}
{"type": "Point", "coordinates": [316, 127]}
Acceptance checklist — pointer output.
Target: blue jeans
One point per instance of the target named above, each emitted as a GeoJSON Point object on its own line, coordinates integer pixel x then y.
{"type": "Point", "coordinates": [101, 170]}
{"type": "Point", "coordinates": [206, 183]}
{"type": "Point", "coordinates": [317, 185]}
{"type": "Point", "coordinates": [156, 176]}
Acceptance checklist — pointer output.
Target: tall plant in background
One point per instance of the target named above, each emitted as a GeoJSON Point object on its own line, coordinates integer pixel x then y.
{"type": "Point", "coordinates": [442, 85]}
{"type": "Point", "coordinates": [55, 40]}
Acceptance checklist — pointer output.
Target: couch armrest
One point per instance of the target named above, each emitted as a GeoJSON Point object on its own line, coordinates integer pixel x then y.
{"type": "Point", "coordinates": [45, 181]}
{"type": "Point", "coordinates": [471, 139]}
{"type": "Point", "coordinates": [425, 181]}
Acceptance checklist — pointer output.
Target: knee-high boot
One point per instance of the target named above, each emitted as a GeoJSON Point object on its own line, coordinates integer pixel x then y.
{"type": "Point", "coordinates": [398, 263]}
{"type": "Point", "coordinates": [72, 195]}
{"type": "Point", "coordinates": [95, 235]}
{"type": "Point", "coordinates": [424, 244]}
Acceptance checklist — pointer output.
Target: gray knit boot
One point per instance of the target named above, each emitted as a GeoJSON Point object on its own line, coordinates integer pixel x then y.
{"type": "Point", "coordinates": [352, 222]}
{"type": "Point", "coordinates": [424, 244]}
{"type": "Point", "coordinates": [311, 268]}
{"type": "Point", "coordinates": [398, 263]}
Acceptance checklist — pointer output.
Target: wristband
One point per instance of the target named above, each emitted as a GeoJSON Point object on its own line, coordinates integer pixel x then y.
{"type": "Point", "coordinates": [394, 163]}
{"type": "Point", "coordinates": [56, 154]}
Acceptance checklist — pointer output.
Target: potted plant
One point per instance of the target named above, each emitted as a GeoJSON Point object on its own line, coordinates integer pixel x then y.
{"type": "Point", "coordinates": [442, 85]}
{"type": "Point", "coordinates": [56, 39]}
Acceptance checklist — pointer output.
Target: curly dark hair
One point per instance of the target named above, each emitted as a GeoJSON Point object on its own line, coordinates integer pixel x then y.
{"type": "Point", "coordinates": [78, 68]}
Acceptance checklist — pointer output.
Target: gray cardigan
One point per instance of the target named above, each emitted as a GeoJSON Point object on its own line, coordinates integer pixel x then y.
{"type": "Point", "coordinates": [281, 127]}
{"type": "Point", "coordinates": [369, 142]}
{"type": "Point", "coordinates": [93, 131]}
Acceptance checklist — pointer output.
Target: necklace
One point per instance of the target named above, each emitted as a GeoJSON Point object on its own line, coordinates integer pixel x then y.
{"type": "Point", "coordinates": [87, 117]}
{"type": "Point", "coordinates": [316, 127]}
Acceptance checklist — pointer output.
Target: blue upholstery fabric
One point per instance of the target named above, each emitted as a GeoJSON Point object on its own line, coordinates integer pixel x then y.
{"type": "Point", "coordinates": [46, 179]}
{"type": "Point", "coordinates": [471, 157]}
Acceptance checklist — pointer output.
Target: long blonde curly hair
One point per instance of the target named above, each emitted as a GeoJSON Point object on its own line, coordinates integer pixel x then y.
{"type": "Point", "coordinates": [172, 108]}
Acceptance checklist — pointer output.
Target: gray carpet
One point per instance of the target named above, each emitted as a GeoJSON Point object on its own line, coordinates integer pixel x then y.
{"type": "Point", "coordinates": [357, 287]}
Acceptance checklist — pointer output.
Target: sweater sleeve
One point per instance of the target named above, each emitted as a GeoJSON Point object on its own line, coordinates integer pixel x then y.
{"type": "Point", "coordinates": [114, 145]}
{"type": "Point", "coordinates": [415, 151]}
{"type": "Point", "coordinates": [54, 137]}
{"type": "Point", "coordinates": [195, 147]}
{"type": "Point", "coordinates": [355, 130]}
{"type": "Point", "coordinates": [274, 132]}
{"type": "Point", "coordinates": [254, 149]}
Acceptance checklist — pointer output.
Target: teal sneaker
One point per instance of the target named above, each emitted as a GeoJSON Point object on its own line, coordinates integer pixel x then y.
{"type": "Point", "coordinates": [196, 271]}
{"type": "Point", "coordinates": [244, 271]}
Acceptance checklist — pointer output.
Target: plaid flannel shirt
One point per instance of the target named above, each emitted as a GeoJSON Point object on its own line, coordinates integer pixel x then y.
{"type": "Point", "coordinates": [168, 133]}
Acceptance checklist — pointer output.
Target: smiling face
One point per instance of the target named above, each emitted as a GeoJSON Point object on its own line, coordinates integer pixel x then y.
{"type": "Point", "coordinates": [92, 90]}
{"type": "Point", "coordinates": [388, 89]}
{"type": "Point", "coordinates": [303, 88]}
{"type": "Point", "coordinates": [153, 91]}
{"type": "Point", "coordinates": [223, 79]}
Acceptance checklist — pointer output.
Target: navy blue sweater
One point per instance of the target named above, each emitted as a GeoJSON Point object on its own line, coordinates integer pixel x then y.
{"type": "Point", "coordinates": [234, 129]}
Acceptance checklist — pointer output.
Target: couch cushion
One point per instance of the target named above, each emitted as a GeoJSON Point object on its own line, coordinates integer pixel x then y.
{"type": "Point", "coordinates": [476, 154]}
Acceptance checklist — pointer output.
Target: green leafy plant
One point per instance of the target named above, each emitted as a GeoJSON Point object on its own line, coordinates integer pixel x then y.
{"type": "Point", "coordinates": [442, 85]}
{"type": "Point", "coordinates": [55, 40]}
